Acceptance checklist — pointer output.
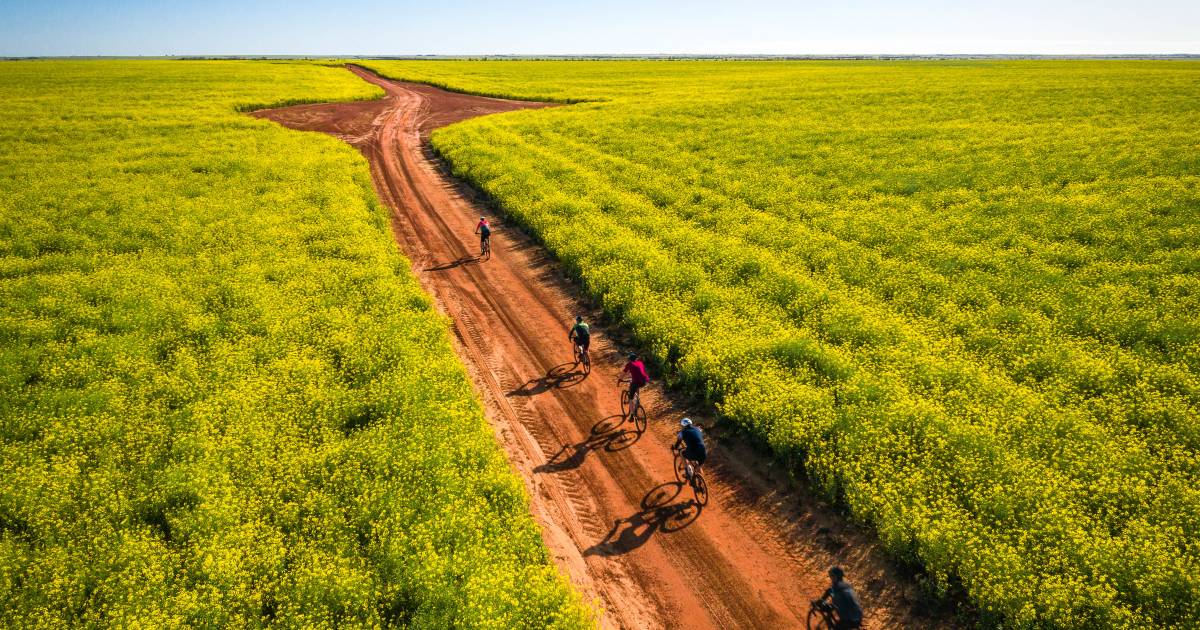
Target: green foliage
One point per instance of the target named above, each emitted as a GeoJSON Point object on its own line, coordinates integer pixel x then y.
{"type": "Point", "coordinates": [964, 295]}
{"type": "Point", "coordinates": [224, 399]}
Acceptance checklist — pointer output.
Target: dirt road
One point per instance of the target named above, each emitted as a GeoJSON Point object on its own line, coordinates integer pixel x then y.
{"type": "Point", "coordinates": [617, 524]}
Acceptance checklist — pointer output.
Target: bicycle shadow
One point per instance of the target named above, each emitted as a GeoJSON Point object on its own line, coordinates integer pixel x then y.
{"type": "Point", "coordinates": [559, 377]}
{"type": "Point", "coordinates": [609, 434]}
{"type": "Point", "coordinates": [465, 260]}
{"type": "Point", "coordinates": [661, 511]}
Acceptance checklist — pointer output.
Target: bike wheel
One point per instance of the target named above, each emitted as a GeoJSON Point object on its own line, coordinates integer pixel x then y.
{"type": "Point", "coordinates": [818, 620]}
{"type": "Point", "coordinates": [700, 489]}
{"type": "Point", "coordinates": [625, 403]}
{"type": "Point", "coordinates": [680, 467]}
{"type": "Point", "coordinates": [639, 419]}
{"type": "Point", "coordinates": [578, 355]}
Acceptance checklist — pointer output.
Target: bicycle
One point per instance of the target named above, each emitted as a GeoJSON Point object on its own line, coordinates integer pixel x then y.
{"type": "Point", "coordinates": [823, 616]}
{"type": "Point", "coordinates": [688, 471]}
{"type": "Point", "coordinates": [633, 409]}
{"type": "Point", "coordinates": [485, 247]}
{"type": "Point", "coordinates": [582, 356]}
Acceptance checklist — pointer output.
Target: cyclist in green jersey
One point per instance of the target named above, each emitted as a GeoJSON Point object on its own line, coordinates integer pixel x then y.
{"type": "Point", "coordinates": [581, 336]}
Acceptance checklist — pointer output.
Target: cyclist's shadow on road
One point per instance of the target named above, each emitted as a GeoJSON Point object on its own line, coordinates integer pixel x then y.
{"type": "Point", "coordinates": [662, 511]}
{"type": "Point", "coordinates": [559, 377]}
{"type": "Point", "coordinates": [611, 434]}
{"type": "Point", "coordinates": [469, 259]}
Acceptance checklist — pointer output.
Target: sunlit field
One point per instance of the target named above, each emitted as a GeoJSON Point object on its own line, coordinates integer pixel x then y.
{"type": "Point", "coordinates": [963, 297]}
{"type": "Point", "coordinates": [224, 399]}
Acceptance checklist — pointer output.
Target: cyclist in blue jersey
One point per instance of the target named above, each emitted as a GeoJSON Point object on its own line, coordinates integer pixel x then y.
{"type": "Point", "coordinates": [692, 440]}
{"type": "Point", "coordinates": [844, 600]}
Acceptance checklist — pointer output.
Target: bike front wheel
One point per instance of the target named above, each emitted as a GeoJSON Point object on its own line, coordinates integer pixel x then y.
{"type": "Point", "coordinates": [680, 467]}
{"type": "Point", "coordinates": [625, 403]}
{"type": "Point", "coordinates": [818, 620]}
{"type": "Point", "coordinates": [700, 489]}
{"type": "Point", "coordinates": [639, 419]}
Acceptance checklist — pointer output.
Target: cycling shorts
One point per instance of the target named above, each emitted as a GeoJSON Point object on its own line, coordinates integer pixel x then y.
{"type": "Point", "coordinates": [583, 341]}
{"type": "Point", "coordinates": [698, 456]}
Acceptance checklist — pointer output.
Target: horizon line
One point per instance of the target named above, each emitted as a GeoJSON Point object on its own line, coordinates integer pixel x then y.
{"type": "Point", "coordinates": [567, 56]}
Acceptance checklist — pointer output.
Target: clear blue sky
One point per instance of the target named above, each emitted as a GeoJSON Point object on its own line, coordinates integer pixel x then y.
{"type": "Point", "coordinates": [184, 27]}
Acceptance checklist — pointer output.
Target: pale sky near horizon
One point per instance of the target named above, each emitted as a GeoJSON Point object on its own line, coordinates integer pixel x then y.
{"type": "Point", "coordinates": [531, 27]}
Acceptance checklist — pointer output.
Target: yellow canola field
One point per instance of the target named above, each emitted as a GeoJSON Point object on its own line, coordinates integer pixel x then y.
{"type": "Point", "coordinates": [963, 296]}
{"type": "Point", "coordinates": [224, 399]}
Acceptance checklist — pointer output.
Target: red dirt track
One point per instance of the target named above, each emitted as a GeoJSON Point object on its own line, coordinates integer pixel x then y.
{"type": "Point", "coordinates": [618, 526]}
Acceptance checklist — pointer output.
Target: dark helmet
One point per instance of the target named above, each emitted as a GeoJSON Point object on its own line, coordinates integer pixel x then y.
{"type": "Point", "coordinates": [836, 573]}
{"type": "Point", "coordinates": [633, 356]}
{"type": "Point", "coordinates": [579, 318]}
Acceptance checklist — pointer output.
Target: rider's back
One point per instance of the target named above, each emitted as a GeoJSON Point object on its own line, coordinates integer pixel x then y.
{"type": "Point", "coordinates": [693, 439]}
{"type": "Point", "coordinates": [637, 372]}
{"type": "Point", "coordinates": [845, 600]}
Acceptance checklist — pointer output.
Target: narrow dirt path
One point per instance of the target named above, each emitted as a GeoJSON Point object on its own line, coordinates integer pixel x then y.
{"type": "Point", "coordinates": [616, 522]}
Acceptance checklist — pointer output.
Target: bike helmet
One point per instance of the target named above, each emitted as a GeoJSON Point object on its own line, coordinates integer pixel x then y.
{"type": "Point", "coordinates": [836, 573]}
{"type": "Point", "coordinates": [633, 356]}
{"type": "Point", "coordinates": [579, 318]}
{"type": "Point", "coordinates": [686, 422]}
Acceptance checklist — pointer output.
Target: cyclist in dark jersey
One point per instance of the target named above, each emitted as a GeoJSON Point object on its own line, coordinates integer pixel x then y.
{"type": "Point", "coordinates": [692, 440]}
{"type": "Point", "coordinates": [845, 601]}
{"type": "Point", "coordinates": [581, 335]}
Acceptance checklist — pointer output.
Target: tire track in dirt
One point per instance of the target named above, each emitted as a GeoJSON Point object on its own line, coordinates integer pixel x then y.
{"type": "Point", "coordinates": [618, 526]}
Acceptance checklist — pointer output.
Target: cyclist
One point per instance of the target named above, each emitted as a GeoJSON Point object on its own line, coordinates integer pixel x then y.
{"type": "Point", "coordinates": [637, 379]}
{"type": "Point", "coordinates": [484, 230]}
{"type": "Point", "coordinates": [581, 335]}
{"type": "Point", "coordinates": [845, 601]}
{"type": "Point", "coordinates": [692, 441]}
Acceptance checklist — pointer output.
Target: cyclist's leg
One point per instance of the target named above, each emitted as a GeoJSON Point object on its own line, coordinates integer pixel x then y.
{"type": "Point", "coordinates": [695, 460]}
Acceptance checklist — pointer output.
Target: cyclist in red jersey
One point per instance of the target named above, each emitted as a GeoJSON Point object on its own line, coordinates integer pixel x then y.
{"type": "Point", "coordinates": [484, 230]}
{"type": "Point", "coordinates": [637, 374]}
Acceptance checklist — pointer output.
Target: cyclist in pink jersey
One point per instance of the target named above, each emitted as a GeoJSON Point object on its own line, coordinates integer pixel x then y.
{"type": "Point", "coordinates": [637, 374]}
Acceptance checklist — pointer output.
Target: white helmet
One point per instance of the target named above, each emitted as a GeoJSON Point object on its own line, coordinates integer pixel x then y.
{"type": "Point", "coordinates": [686, 422]}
